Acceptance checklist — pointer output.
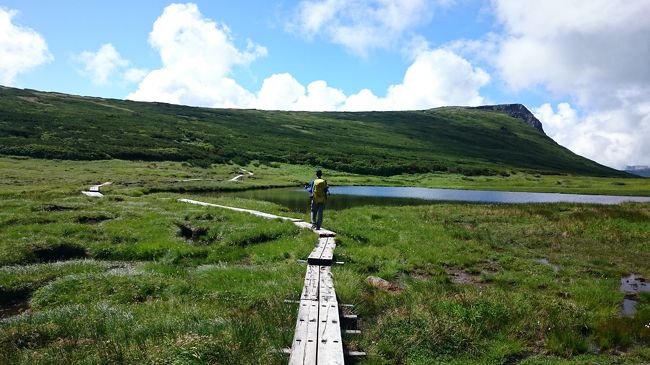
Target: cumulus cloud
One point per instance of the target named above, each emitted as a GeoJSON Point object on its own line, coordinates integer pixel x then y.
{"type": "Point", "coordinates": [361, 25]}
{"type": "Point", "coordinates": [134, 75]}
{"type": "Point", "coordinates": [436, 78]}
{"type": "Point", "coordinates": [107, 64]}
{"type": "Point", "coordinates": [284, 92]}
{"type": "Point", "coordinates": [198, 56]}
{"type": "Point", "coordinates": [585, 46]}
{"type": "Point", "coordinates": [21, 48]}
{"type": "Point", "coordinates": [594, 52]}
{"type": "Point", "coordinates": [615, 137]}
{"type": "Point", "coordinates": [101, 64]}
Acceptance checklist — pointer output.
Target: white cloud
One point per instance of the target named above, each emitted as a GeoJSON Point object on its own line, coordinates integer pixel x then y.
{"type": "Point", "coordinates": [134, 75]}
{"type": "Point", "coordinates": [284, 92]}
{"type": "Point", "coordinates": [101, 65]}
{"type": "Point", "coordinates": [279, 91]}
{"type": "Point", "coordinates": [21, 48]}
{"type": "Point", "coordinates": [616, 137]}
{"type": "Point", "coordinates": [198, 56]}
{"type": "Point", "coordinates": [595, 52]}
{"type": "Point", "coordinates": [361, 25]}
{"type": "Point", "coordinates": [107, 65]}
{"type": "Point", "coordinates": [436, 78]}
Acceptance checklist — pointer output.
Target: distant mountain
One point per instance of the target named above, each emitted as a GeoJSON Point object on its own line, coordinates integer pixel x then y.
{"type": "Point", "coordinates": [471, 141]}
{"type": "Point", "coordinates": [639, 170]}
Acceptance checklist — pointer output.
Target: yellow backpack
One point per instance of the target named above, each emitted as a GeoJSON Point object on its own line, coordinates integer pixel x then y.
{"type": "Point", "coordinates": [319, 191]}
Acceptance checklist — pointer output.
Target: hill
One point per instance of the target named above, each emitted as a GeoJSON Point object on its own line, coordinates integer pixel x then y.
{"type": "Point", "coordinates": [455, 139]}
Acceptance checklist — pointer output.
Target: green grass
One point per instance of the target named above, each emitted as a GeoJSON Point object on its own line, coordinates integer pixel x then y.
{"type": "Point", "coordinates": [137, 277]}
{"type": "Point", "coordinates": [514, 303]}
{"type": "Point", "coordinates": [39, 177]}
{"type": "Point", "coordinates": [455, 140]}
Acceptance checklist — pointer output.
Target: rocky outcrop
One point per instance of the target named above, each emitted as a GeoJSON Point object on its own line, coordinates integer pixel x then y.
{"type": "Point", "coordinates": [516, 111]}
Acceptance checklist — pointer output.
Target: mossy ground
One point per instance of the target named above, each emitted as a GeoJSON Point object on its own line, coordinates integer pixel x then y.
{"type": "Point", "coordinates": [137, 277]}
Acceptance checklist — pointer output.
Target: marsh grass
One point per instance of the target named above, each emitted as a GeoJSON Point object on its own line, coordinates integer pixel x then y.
{"type": "Point", "coordinates": [116, 280]}
{"type": "Point", "coordinates": [515, 300]}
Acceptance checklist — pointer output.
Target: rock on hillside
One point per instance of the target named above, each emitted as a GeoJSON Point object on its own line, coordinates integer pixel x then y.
{"type": "Point", "coordinates": [516, 111]}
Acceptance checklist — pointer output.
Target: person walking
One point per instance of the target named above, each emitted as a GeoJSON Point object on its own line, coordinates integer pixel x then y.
{"type": "Point", "coordinates": [319, 192]}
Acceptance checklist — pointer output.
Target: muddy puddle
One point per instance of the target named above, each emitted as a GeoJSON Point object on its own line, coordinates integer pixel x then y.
{"type": "Point", "coordinates": [632, 285]}
{"type": "Point", "coordinates": [13, 309]}
{"type": "Point", "coordinates": [462, 277]}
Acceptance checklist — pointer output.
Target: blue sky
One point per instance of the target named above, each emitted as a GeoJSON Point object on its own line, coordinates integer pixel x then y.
{"type": "Point", "coordinates": [79, 26]}
{"type": "Point", "coordinates": [580, 67]}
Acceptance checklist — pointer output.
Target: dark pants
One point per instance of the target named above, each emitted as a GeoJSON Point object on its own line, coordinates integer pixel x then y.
{"type": "Point", "coordinates": [317, 214]}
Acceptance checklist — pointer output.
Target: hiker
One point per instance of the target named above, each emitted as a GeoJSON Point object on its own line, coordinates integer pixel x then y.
{"type": "Point", "coordinates": [319, 192]}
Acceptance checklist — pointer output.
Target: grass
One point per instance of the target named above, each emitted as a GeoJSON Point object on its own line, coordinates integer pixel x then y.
{"type": "Point", "coordinates": [26, 176]}
{"type": "Point", "coordinates": [137, 277]}
{"type": "Point", "coordinates": [513, 303]}
{"type": "Point", "coordinates": [190, 300]}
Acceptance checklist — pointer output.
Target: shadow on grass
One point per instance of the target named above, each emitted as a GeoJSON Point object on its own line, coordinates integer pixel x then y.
{"type": "Point", "coordinates": [59, 252]}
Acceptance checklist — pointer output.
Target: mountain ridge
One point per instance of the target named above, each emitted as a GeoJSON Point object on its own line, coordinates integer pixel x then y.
{"type": "Point", "coordinates": [471, 141]}
{"type": "Point", "coordinates": [518, 111]}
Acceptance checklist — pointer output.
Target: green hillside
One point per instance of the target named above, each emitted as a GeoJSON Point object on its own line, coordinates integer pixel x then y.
{"type": "Point", "coordinates": [468, 141]}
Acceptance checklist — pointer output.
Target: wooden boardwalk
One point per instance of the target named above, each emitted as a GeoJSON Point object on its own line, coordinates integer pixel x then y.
{"type": "Point", "coordinates": [94, 192]}
{"type": "Point", "coordinates": [317, 337]}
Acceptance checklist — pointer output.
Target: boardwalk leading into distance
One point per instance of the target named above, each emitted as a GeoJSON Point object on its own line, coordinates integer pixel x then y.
{"type": "Point", "coordinates": [317, 336]}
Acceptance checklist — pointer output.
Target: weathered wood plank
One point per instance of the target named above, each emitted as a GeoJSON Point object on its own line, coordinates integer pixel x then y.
{"type": "Point", "coordinates": [326, 292]}
{"type": "Point", "coordinates": [325, 233]}
{"type": "Point", "coordinates": [323, 253]}
{"type": "Point", "coordinates": [330, 343]}
{"type": "Point", "coordinates": [315, 255]}
{"type": "Point", "coordinates": [303, 224]}
{"type": "Point", "coordinates": [305, 340]}
{"type": "Point", "coordinates": [249, 211]}
{"type": "Point", "coordinates": [310, 288]}
{"type": "Point", "coordinates": [328, 251]}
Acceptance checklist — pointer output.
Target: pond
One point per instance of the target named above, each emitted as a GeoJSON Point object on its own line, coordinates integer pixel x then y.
{"type": "Point", "coordinates": [343, 197]}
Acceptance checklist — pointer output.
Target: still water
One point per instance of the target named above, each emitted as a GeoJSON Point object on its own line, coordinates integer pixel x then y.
{"type": "Point", "coordinates": [343, 197]}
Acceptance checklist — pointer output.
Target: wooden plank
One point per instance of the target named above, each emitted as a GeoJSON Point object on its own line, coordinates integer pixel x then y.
{"type": "Point", "coordinates": [326, 292]}
{"type": "Point", "coordinates": [325, 233]}
{"type": "Point", "coordinates": [310, 288]}
{"type": "Point", "coordinates": [303, 224]}
{"type": "Point", "coordinates": [328, 251]}
{"type": "Point", "coordinates": [249, 211]}
{"type": "Point", "coordinates": [330, 343]}
{"type": "Point", "coordinates": [314, 256]}
{"type": "Point", "coordinates": [323, 253]}
{"type": "Point", "coordinates": [305, 340]}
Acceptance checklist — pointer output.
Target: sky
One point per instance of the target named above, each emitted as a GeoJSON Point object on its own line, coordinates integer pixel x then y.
{"type": "Point", "coordinates": [581, 66]}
